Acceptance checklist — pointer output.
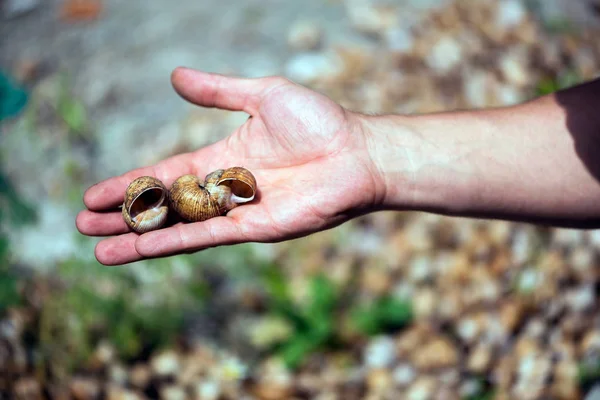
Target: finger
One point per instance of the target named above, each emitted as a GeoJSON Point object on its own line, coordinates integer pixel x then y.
{"type": "Point", "coordinates": [101, 224]}
{"type": "Point", "coordinates": [118, 250]}
{"type": "Point", "coordinates": [110, 193]}
{"type": "Point", "coordinates": [228, 93]}
{"type": "Point", "coordinates": [190, 237]}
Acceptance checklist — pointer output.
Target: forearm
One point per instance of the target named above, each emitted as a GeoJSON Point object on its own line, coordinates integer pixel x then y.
{"type": "Point", "coordinates": [539, 161]}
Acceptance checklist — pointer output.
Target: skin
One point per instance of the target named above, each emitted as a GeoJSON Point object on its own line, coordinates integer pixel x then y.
{"type": "Point", "coordinates": [318, 165]}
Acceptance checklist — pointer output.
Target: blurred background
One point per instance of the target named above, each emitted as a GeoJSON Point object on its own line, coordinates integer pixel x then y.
{"type": "Point", "coordinates": [388, 306]}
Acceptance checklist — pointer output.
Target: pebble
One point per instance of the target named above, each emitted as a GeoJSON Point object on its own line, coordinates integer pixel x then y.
{"type": "Point", "coordinates": [403, 374]}
{"type": "Point", "coordinates": [304, 36]}
{"type": "Point", "coordinates": [207, 390]}
{"type": "Point", "coordinates": [380, 352]}
{"type": "Point", "coordinates": [445, 55]}
{"type": "Point", "coordinates": [165, 364]}
{"type": "Point", "coordinates": [140, 375]}
{"type": "Point", "coordinates": [510, 13]}
{"type": "Point", "coordinates": [437, 353]}
{"type": "Point", "coordinates": [173, 392]}
{"type": "Point", "coordinates": [480, 359]}
{"type": "Point", "coordinates": [422, 389]}
{"type": "Point", "coordinates": [310, 67]}
{"type": "Point", "coordinates": [85, 388]}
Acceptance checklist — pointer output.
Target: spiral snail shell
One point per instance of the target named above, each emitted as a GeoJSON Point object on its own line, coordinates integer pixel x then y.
{"type": "Point", "coordinates": [147, 200]}
{"type": "Point", "coordinates": [145, 207]}
{"type": "Point", "coordinates": [221, 191]}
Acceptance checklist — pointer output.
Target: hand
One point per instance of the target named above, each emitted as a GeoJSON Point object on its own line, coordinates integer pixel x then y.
{"type": "Point", "coordinates": [308, 154]}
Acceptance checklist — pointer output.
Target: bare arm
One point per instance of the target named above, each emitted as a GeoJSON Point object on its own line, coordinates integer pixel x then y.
{"type": "Point", "coordinates": [538, 161]}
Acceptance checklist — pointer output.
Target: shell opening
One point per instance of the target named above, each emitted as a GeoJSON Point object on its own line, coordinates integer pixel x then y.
{"type": "Point", "coordinates": [147, 200]}
{"type": "Point", "coordinates": [241, 192]}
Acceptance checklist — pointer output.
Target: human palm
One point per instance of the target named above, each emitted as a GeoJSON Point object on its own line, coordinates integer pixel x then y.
{"type": "Point", "coordinates": [307, 153]}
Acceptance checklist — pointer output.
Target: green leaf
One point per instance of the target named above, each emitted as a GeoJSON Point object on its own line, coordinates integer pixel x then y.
{"type": "Point", "coordinates": [295, 351]}
{"type": "Point", "coordinates": [74, 114]}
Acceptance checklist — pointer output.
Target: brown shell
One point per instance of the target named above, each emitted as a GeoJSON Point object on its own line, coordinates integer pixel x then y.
{"type": "Point", "coordinates": [190, 199]}
{"type": "Point", "coordinates": [221, 191]}
{"type": "Point", "coordinates": [145, 205]}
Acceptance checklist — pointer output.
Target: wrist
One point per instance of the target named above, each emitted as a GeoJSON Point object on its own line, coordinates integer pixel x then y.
{"type": "Point", "coordinates": [421, 166]}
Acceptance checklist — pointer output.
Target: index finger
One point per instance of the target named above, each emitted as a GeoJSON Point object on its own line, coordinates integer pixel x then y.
{"type": "Point", "coordinates": [109, 193]}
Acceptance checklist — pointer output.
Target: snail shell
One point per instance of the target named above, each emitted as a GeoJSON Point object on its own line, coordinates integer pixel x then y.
{"type": "Point", "coordinates": [221, 191]}
{"type": "Point", "coordinates": [145, 207]}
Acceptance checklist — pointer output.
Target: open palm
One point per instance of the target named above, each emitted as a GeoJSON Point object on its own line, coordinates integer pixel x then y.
{"type": "Point", "coordinates": [307, 153]}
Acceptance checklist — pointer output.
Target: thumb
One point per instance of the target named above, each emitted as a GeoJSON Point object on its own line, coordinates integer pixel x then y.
{"type": "Point", "coordinates": [220, 91]}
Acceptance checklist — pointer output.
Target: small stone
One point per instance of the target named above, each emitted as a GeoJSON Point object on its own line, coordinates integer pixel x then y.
{"type": "Point", "coordinates": [269, 330]}
{"type": "Point", "coordinates": [425, 302]}
{"type": "Point", "coordinates": [207, 390]}
{"type": "Point", "coordinates": [115, 392]}
{"type": "Point", "coordinates": [422, 389]}
{"type": "Point", "coordinates": [594, 393]}
{"type": "Point", "coordinates": [140, 375]}
{"type": "Point", "coordinates": [117, 374]}
{"type": "Point", "coordinates": [379, 380]}
{"type": "Point", "coordinates": [165, 364]}
{"type": "Point", "coordinates": [480, 359]}
{"type": "Point", "coordinates": [172, 392]}
{"type": "Point", "coordinates": [380, 352]}
{"type": "Point", "coordinates": [371, 19]}
{"type": "Point", "coordinates": [590, 345]}
{"type": "Point", "coordinates": [27, 389]}
{"type": "Point", "coordinates": [16, 8]}
{"type": "Point", "coordinates": [514, 71]}
{"type": "Point", "coordinates": [529, 280]}
{"type": "Point", "coordinates": [304, 35]}
{"type": "Point", "coordinates": [510, 13]}
{"type": "Point", "coordinates": [437, 353]}
{"type": "Point", "coordinates": [275, 381]}
{"type": "Point", "coordinates": [581, 299]}
{"type": "Point", "coordinates": [307, 68]}
{"type": "Point", "coordinates": [399, 39]}
{"type": "Point", "coordinates": [445, 55]}
{"type": "Point", "coordinates": [420, 268]}
{"type": "Point", "coordinates": [404, 374]}
{"type": "Point", "coordinates": [468, 329]}
{"type": "Point", "coordinates": [85, 388]}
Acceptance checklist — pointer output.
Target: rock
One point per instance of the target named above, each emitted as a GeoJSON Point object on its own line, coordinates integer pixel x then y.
{"type": "Point", "coordinates": [399, 39]}
{"type": "Point", "coordinates": [380, 352]}
{"type": "Point", "coordinates": [165, 364]}
{"type": "Point", "coordinates": [437, 353]}
{"type": "Point", "coordinates": [468, 328]}
{"type": "Point", "coordinates": [594, 393]}
{"type": "Point", "coordinates": [309, 68]}
{"type": "Point", "coordinates": [207, 390]}
{"type": "Point", "coordinates": [304, 36]}
{"type": "Point", "coordinates": [17, 8]}
{"type": "Point", "coordinates": [445, 55]}
{"type": "Point", "coordinates": [379, 381]}
{"type": "Point", "coordinates": [117, 374]}
{"type": "Point", "coordinates": [403, 374]}
{"type": "Point", "coordinates": [422, 389]}
{"type": "Point", "coordinates": [27, 388]}
{"type": "Point", "coordinates": [371, 19]}
{"type": "Point", "coordinates": [140, 375]}
{"type": "Point", "coordinates": [114, 392]}
{"type": "Point", "coordinates": [173, 392]}
{"type": "Point", "coordinates": [420, 268]}
{"type": "Point", "coordinates": [269, 330]}
{"type": "Point", "coordinates": [85, 388]}
{"type": "Point", "coordinates": [581, 299]}
{"type": "Point", "coordinates": [480, 359]}
{"type": "Point", "coordinates": [425, 302]}
{"type": "Point", "coordinates": [103, 355]}
{"type": "Point", "coordinates": [512, 67]}
{"type": "Point", "coordinates": [274, 381]}
{"type": "Point", "coordinates": [510, 13]}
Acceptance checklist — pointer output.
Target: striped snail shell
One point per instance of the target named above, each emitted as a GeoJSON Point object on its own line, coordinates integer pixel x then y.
{"type": "Point", "coordinates": [221, 191]}
{"type": "Point", "coordinates": [145, 207]}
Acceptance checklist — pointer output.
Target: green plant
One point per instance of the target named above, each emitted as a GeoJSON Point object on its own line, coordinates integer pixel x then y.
{"type": "Point", "coordinates": [588, 374]}
{"type": "Point", "coordinates": [383, 315]}
{"type": "Point", "coordinates": [70, 109]}
{"type": "Point", "coordinates": [550, 85]}
{"type": "Point", "coordinates": [314, 325]}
